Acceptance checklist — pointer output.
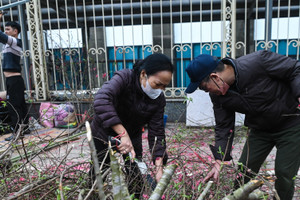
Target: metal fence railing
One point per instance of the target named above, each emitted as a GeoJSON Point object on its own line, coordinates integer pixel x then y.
{"type": "Point", "coordinates": [74, 46]}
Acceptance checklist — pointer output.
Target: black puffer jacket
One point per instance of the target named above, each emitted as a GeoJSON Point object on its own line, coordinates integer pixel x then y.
{"type": "Point", "coordinates": [267, 87]}
{"type": "Point", "coordinates": [122, 101]}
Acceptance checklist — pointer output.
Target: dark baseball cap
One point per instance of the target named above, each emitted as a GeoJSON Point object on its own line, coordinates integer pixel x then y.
{"type": "Point", "coordinates": [199, 68]}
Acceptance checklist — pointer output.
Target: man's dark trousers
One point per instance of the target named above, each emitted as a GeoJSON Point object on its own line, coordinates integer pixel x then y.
{"type": "Point", "coordinates": [287, 162]}
{"type": "Point", "coordinates": [16, 101]}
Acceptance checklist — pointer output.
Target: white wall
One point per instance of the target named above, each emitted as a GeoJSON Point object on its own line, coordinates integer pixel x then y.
{"type": "Point", "coordinates": [64, 38]}
{"type": "Point", "coordinates": [198, 32]}
{"type": "Point", "coordinates": [200, 112]}
{"type": "Point", "coordinates": [129, 35]}
{"type": "Point", "coordinates": [282, 28]}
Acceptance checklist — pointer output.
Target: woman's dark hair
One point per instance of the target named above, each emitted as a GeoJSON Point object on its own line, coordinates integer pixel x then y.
{"type": "Point", "coordinates": [14, 25]}
{"type": "Point", "coordinates": [154, 63]}
{"type": "Point", "coordinates": [219, 68]}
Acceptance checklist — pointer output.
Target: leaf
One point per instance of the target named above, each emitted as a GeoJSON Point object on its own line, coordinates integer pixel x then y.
{"type": "Point", "coordinates": [199, 186]}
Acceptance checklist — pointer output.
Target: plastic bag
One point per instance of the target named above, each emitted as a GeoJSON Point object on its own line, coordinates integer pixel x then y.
{"type": "Point", "coordinates": [47, 114]}
{"type": "Point", "coordinates": [65, 116]}
{"type": "Point", "coordinates": [34, 124]}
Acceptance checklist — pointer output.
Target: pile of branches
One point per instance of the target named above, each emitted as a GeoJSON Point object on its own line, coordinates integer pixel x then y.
{"type": "Point", "coordinates": [51, 169]}
{"type": "Point", "coordinates": [42, 168]}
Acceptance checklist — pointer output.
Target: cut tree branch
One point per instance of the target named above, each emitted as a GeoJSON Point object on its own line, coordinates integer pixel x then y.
{"type": "Point", "coordinates": [95, 160]}
{"type": "Point", "coordinates": [244, 191]}
{"type": "Point", "coordinates": [120, 190]}
{"type": "Point", "coordinates": [209, 184]}
{"type": "Point", "coordinates": [163, 183]}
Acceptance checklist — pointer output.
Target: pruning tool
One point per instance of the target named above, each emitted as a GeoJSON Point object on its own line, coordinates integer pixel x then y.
{"type": "Point", "coordinates": [141, 165]}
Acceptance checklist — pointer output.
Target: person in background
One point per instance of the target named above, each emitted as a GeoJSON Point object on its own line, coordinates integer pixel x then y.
{"type": "Point", "coordinates": [15, 87]}
{"type": "Point", "coordinates": [131, 99]}
{"type": "Point", "coordinates": [265, 86]}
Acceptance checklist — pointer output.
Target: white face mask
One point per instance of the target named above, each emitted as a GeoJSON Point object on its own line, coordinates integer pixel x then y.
{"type": "Point", "coordinates": [152, 93]}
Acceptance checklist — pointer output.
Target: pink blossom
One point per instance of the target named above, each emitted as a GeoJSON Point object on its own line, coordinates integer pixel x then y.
{"type": "Point", "coordinates": [203, 144]}
{"type": "Point", "coordinates": [144, 136]}
{"type": "Point", "coordinates": [209, 158]}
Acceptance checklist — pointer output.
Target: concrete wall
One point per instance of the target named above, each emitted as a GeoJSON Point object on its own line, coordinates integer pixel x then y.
{"type": "Point", "coordinates": [175, 109]}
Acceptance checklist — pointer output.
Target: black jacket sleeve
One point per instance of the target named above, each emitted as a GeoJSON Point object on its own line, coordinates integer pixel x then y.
{"type": "Point", "coordinates": [104, 103]}
{"type": "Point", "coordinates": [224, 130]}
{"type": "Point", "coordinates": [156, 135]}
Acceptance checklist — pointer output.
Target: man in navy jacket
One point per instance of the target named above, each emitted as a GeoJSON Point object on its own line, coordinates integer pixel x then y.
{"type": "Point", "coordinates": [265, 86]}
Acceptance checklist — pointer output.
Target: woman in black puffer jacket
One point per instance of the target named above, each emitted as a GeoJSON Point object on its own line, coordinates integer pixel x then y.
{"type": "Point", "coordinates": [127, 102]}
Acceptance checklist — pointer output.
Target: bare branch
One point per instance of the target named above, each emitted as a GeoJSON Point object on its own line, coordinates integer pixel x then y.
{"type": "Point", "coordinates": [95, 160]}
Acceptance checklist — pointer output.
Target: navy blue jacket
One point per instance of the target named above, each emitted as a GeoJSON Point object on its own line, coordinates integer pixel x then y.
{"type": "Point", "coordinates": [267, 87]}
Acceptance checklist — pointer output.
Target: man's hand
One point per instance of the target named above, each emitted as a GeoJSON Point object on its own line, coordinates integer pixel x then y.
{"type": "Point", "coordinates": [214, 173]}
{"type": "Point", "coordinates": [159, 168]}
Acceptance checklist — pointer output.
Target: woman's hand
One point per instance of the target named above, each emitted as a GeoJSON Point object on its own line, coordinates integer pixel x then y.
{"type": "Point", "coordinates": [159, 168]}
{"type": "Point", "coordinates": [126, 145]}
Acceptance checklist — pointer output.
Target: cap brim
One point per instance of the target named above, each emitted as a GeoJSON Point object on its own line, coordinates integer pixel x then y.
{"type": "Point", "coordinates": [192, 87]}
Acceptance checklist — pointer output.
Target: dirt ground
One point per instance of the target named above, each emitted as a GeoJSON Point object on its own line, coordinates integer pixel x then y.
{"type": "Point", "coordinates": [187, 146]}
